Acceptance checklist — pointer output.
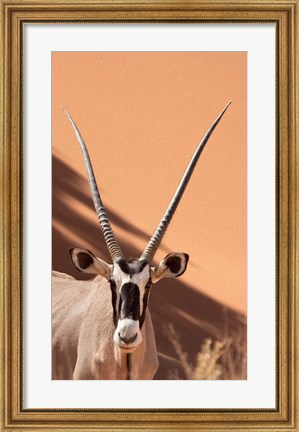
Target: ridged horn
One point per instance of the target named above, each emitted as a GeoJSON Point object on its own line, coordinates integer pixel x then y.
{"type": "Point", "coordinates": [111, 242]}
{"type": "Point", "coordinates": [157, 237]}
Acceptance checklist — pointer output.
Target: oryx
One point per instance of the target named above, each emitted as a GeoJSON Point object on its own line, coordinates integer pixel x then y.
{"type": "Point", "coordinates": [101, 328]}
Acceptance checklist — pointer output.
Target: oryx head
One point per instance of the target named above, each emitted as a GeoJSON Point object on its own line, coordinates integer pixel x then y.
{"type": "Point", "coordinates": [131, 280]}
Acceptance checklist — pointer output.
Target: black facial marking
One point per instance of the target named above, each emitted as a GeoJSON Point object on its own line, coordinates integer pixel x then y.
{"type": "Point", "coordinates": [131, 267]}
{"type": "Point", "coordinates": [124, 266]}
{"type": "Point", "coordinates": [119, 305]}
{"type": "Point", "coordinates": [142, 264]}
{"type": "Point", "coordinates": [84, 260]}
{"type": "Point", "coordinates": [113, 298]}
{"type": "Point", "coordinates": [145, 302]}
{"type": "Point", "coordinates": [129, 301]}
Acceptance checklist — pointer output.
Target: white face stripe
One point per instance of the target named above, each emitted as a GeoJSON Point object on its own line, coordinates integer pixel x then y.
{"type": "Point", "coordinates": [140, 279]}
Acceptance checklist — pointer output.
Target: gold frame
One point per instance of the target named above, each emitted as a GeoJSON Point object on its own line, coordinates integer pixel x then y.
{"type": "Point", "coordinates": [285, 416]}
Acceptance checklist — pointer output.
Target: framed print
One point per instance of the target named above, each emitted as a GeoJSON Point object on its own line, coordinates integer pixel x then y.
{"type": "Point", "coordinates": [149, 239]}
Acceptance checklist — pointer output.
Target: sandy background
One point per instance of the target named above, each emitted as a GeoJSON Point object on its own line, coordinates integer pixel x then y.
{"type": "Point", "coordinates": [142, 116]}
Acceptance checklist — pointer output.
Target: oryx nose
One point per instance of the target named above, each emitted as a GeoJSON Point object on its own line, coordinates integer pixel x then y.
{"type": "Point", "coordinates": [126, 339]}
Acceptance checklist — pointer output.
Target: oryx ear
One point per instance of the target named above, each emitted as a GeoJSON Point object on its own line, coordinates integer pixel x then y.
{"type": "Point", "coordinates": [173, 265]}
{"type": "Point", "coordinates": [87, 262]}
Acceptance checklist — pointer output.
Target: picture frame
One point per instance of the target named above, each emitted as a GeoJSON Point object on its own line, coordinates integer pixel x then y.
{"type": "Point", "coordinates": [14, 416]}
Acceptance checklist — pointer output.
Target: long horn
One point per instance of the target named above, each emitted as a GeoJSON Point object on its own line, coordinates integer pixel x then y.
{"type": "Point", "coordinates": [157, 237]}
{"type": "Point", "coordinates": [111, 242]}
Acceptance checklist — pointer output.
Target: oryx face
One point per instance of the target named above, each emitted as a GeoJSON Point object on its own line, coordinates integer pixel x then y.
{"type": "Point", "coordinates": [130, 284]}
{"type": "Point", "coordinates": [132, 281]}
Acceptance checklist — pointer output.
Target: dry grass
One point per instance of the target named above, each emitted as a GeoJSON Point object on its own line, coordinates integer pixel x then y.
{"type": "Point", "coordinates": [224, 359]}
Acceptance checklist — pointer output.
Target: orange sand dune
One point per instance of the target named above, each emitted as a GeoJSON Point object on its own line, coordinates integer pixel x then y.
{"type": "Point", "coordinates": [142, 116]}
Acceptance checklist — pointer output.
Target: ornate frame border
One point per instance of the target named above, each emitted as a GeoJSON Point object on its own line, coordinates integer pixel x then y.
{"type": "Point", "coordinates": [14, 14]}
